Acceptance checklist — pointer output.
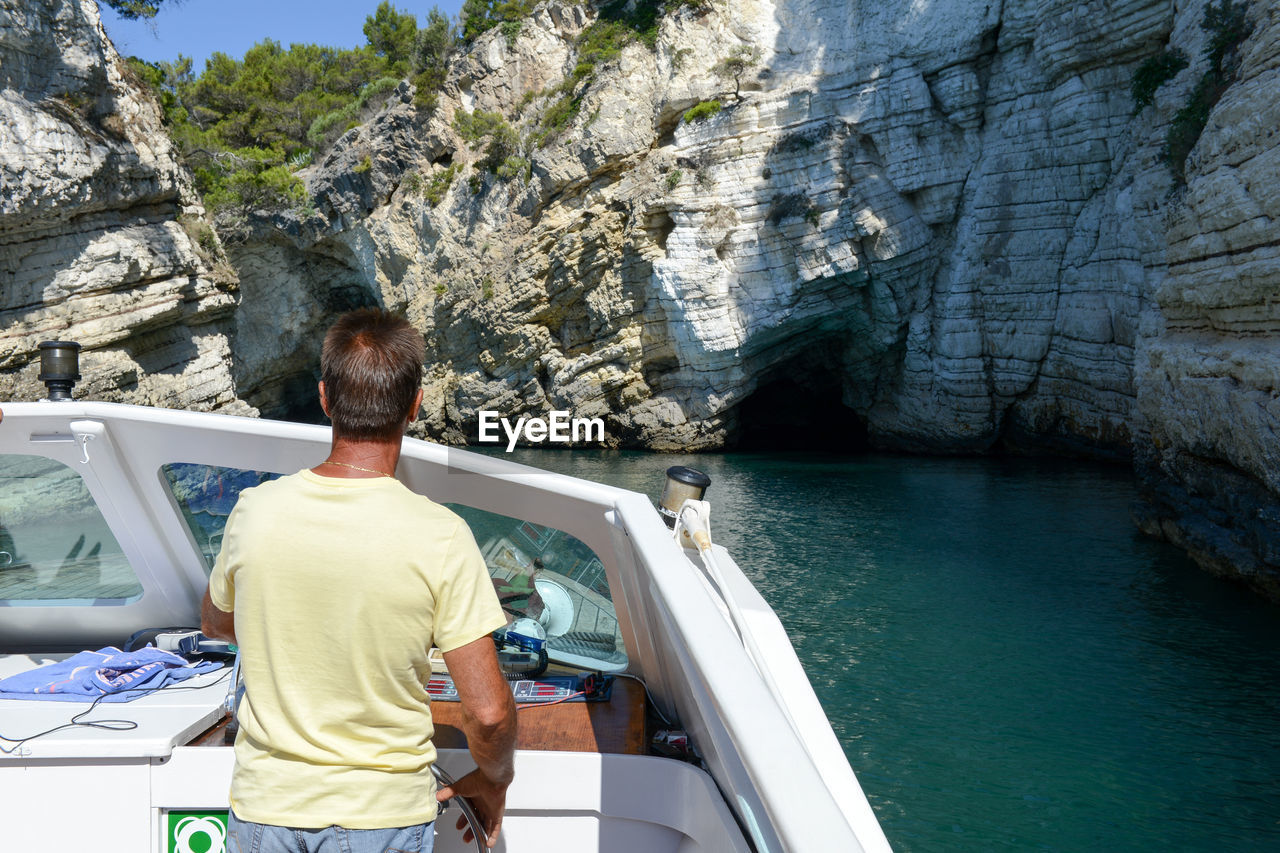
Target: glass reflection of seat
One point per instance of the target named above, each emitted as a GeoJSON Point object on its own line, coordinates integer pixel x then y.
{"type": "Point", "coordinates": [55, 546]}
{"type": "Point", "coordinates": [545, 574]}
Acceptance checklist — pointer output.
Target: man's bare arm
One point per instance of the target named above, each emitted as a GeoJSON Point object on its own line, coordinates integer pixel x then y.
{"type": "Point", "coordinates": [489, 721]}
{"type": "Point", "coordinates": [214, 623]}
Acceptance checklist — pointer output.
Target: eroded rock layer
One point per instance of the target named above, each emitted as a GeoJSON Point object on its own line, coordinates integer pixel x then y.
{"type": "Point", "coordinates": [101, 239]}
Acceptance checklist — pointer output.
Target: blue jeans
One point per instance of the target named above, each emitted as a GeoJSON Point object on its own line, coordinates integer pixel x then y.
{"type": "Point", "coordinates": [246, 837]}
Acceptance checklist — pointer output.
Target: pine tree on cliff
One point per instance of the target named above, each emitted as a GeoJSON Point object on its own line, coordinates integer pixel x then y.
{"type": "Point", "coordinates": [134, 9]}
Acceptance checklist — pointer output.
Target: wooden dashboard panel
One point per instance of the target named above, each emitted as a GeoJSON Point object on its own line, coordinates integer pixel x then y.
{"type": "Point", "coordinates": [616, 726]}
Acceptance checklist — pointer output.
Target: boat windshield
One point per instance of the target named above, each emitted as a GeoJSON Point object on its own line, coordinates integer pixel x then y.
{"type": "Point", "coordinates": [206, 494]}
{"type": "Point", "coordinates": [553, 578]}
{"type": "Point", "coordinates": [55, 546]}
{"type": "Point", "coordinates": [539, 572]}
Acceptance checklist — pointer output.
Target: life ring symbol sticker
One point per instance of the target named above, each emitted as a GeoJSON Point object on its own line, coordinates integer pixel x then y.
{"type": "Point", "coordinates": [200, 835]}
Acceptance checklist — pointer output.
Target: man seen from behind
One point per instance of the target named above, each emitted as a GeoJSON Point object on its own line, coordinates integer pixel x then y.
{"type": "Point", "coordinates": [334, 582]}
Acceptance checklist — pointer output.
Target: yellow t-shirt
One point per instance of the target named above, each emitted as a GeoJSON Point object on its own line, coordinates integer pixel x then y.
{"type": "Point", "coordinates": [339, 587]}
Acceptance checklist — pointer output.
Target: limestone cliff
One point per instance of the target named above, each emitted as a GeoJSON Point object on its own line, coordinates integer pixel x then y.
{"type": "Point", "coordinates": [101, 238]}
{"type": "Point", "coordinates": [1207, 366]}
{"type": "Point", "coordinates": [938, 227]}
{"type": "Point", "coordinates": [945, 219]}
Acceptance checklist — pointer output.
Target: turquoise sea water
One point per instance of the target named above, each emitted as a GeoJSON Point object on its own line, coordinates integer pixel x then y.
{"type": "Point", "coordinates": [1008, 663]}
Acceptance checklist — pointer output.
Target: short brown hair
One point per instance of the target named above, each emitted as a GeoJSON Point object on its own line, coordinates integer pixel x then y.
{"type": "Point", "coordinates": [371, 366]}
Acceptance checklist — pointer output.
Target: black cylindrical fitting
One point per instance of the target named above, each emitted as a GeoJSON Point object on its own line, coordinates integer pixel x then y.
{"type": "Point", "coordinates": [682, 484]}
{"type": "Point", "coordinates": [59, 367]}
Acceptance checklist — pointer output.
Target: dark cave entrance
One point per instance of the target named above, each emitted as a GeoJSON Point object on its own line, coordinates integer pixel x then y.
{"type": "Point", "coordinates": [788, 412]}
{"type": "Point", "coordinates": [294, 398]}
{"type": "Point", "coordinates": [279, 377]}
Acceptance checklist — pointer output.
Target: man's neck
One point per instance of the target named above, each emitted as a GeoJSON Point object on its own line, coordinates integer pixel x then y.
{"type": "Point", "coordinates": [350, 459]}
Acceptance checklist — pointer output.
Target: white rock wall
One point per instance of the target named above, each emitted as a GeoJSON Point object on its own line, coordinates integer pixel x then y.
{"type": "Point", "coordinates": [947, 216]}
{"type": "Point", "coordinates": [1208, 355]}
{"type": "Point", "coordinates": [98, 226]}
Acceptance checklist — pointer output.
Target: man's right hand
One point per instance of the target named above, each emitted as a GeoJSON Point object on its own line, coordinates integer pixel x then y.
{"type": "Point", "coordinates": [488, 798]}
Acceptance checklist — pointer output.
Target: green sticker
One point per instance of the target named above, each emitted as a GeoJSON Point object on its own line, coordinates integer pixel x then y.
{"type": "Point", "coordinates": [197, 832]}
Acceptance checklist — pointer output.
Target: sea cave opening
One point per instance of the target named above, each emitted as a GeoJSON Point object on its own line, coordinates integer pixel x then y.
{"type": "Point", "coordinates": [790, 413]}
{"type": "Point", "coordinates": [292, 398]}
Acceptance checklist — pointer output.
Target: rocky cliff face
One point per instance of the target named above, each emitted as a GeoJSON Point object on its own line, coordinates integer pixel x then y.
{"type": "Point", "coordinates": [938, 227]}
{"type": "Point", "coordinates": [947, 221]}
{"type": "Point", "coordinates": [1207, 366]}
{"type": "Point", "coordinates": [100, 235]}
{"type": "Point", "coordinates": [943, 220]}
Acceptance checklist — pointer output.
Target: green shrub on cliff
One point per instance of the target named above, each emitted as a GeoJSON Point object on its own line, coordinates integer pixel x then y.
{"type": "Point", "coordinates": [439, 185]}
{"type": "Point", "coordinates": [479, 16]}
{"type": "Point", "coordinates": [504, 141]}
{"type": "Point", "coordinates": [1154, 73]}
{"type": "Point", "coordinates": [617, 25]}
{"type": "Point", "coordinates": [514, 167]}
{"type": "Point", "coordinates": [503, 148]}
{"type": "Point", "coordinates": [328, 127]}
{"type": "Point", "coordinates": [1227, 25]}
{"type": "Point", "coordinates": [250, 179]}
{"type": "Point", "coordinates": [511, 31]}
{"type": "Point", "coordinates": [476, 125]}
{"type": "Point", "coordinates": [703, 110]}
{"type": "Point", "coordinates": [559, 114]}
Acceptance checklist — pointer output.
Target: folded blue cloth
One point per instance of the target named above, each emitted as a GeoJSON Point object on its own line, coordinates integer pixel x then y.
{"type": "Point", "coordinates": [109, 673]}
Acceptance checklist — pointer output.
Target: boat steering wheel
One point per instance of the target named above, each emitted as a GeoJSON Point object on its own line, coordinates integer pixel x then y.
{"type": "Point", "coordinates": [473, 820]}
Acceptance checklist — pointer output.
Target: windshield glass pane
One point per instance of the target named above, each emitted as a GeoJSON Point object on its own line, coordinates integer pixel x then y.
{"type": "Point", "coordinates": [547, 575]}
{"type": "Point", "coordinates": [206, 494]}
{"type": "Point", "coordinates": [538, 572]}
{"type": "Point", "coordinates": [55, 546]}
